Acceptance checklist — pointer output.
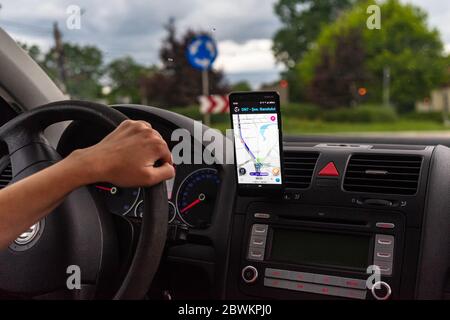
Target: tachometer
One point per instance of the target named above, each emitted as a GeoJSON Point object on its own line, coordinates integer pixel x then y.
{"type": "Point", "coordinates": [196, 197]}
{"type": "Point", "coordinates": [119, 201]}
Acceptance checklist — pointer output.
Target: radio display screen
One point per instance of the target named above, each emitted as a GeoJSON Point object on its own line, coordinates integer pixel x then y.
{"type": "Point", "coordinates": [320, 248]}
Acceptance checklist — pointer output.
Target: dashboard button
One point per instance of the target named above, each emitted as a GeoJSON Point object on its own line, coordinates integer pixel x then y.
{"type": "Point", "coordinates": [259, 229]}
{"type": "Point", "coordinates": [385, 267]}
{"type": "Point", "coordinates": [257, 241]}
{"type": "Point", "coordinates": [277, 283]}
{"type": "Point", "coordinates": [305, 287]}
{"type": "Point", "coordinates": [385, 270]}
{"type": "Point", "coordinates": [327, 290]}
{"type": "Point", "coordinates": [277, 273]}
{"type": "Point", "coordinates": [255, 254]}
{"type": "Point", "coordinates": [352, 283]}
{"type": "Point", "coordinates": [329, 170]}
{"type": "Point", "coordinates": [326, 279]}
{"type": "Point", "coordinates": [385, 225]}
{"type": "Point", "coordinates": [262, 215]}
{"type": "Point", "coordinates": [384, 241]}
{"type": "Point", "coordinates": [384, 255]}
{"type": "Point", "coordinates": [249, 274]}
{"type": "Point", "coordinates": [302, 276]}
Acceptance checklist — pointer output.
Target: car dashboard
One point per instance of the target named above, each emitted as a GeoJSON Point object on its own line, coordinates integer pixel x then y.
{"type": "Point", "coordinates": [384, 205]}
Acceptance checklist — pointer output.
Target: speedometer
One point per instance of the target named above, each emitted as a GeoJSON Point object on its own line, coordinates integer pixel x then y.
{"type": "Point", "coordinates": [119, 201]}
{"type": "Point", "coordinates": [196, 197]}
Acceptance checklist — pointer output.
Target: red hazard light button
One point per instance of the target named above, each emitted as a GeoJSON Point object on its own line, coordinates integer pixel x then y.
{"type": "Point", "coordinates": [329, 171]}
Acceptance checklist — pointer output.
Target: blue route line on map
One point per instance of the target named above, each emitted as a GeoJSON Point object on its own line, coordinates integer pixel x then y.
{"type": "Point", "coordinates": [243, 141]}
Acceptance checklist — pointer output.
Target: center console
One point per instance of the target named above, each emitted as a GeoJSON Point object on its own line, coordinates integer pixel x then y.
{"type": "Point", "coordinates": [349, 230]}
{"type": "Point", "coordinates": [326, 251]}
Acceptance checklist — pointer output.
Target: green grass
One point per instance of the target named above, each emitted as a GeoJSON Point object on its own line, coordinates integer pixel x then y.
{"type": "Point", "coordinates": [294, 122]}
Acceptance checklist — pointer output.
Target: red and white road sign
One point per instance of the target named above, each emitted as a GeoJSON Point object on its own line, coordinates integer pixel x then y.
{"type": "Point", "coordinates": [214, 104]}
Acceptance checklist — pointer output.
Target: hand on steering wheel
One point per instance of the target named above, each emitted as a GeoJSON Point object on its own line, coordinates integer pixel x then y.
{"type": "Point", "coordinates": [110, 160]}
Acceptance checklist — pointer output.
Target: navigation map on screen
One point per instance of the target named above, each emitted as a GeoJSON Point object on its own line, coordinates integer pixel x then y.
{"type": "Point", "coordinates": [257, 146]}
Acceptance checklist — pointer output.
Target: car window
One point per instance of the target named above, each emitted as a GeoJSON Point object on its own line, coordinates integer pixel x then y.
{"type": "Point", "coordinates": [353, 67]}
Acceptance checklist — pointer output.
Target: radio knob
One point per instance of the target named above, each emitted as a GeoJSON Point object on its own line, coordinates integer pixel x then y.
{"type": "Point", "coordinates": [249, 274]}
{"type": "Point", "coordinates": [381, 290]}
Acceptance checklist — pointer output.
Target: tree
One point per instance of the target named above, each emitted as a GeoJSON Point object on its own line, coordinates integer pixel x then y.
{"type": "Point", "coordinates": [178, 83]}
{"type": "Point", "coordinates": [405, 44]}
{"type": "Point", "coordinates": [241, 86]}
{"type": "Point", "coordinates": [126, 76]}
{"type": "Point", "coordinates": [83, 68]}
{"type": "Point", "coordinates": [338, 75]}
{"type": "Point", "coordinates": [301, 21]}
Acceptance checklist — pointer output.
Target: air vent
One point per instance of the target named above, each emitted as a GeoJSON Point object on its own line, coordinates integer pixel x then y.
{"type": "Point", "coordinates": [299, 168]}
{"type": "Point", "coordinates": [389, 174]}
{"type": "Point", "coordinates": [5, 176]}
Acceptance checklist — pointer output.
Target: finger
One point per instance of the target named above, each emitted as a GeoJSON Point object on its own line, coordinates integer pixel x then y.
{"type": "Point", "coordinates": [145, 123]}
{"type": "Point", "coordinates": [126, 124]}
{"type": "Point", "coordinates": [157, 151]}
{"type": "Point", "coordinates": [125, 128]}
{"type": "Point", "coordinates": [164, 172]}
{"type": "Point", "coordinates": [119, 129]}
{"type": "Point", "coordinates": [166, 155]}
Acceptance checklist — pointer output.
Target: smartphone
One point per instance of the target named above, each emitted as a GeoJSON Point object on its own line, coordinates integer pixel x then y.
{"type": "Point", "coordinates": [256, 123]}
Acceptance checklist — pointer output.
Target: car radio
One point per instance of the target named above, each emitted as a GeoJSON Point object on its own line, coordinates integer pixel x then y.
{"type": "Point", "coordinates": [295, 251]}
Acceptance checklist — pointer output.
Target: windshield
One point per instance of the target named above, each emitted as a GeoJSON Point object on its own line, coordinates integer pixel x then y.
{"type": "Point", "coordinates": [340, 66]}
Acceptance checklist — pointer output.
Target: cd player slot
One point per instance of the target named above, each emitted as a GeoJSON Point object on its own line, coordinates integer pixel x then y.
{"type": "Point", "coordinates": [327, 220]}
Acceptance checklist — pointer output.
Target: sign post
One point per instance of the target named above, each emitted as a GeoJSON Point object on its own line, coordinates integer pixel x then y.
{"type": "Point", "coordinates": [201, 53]}
{"type": "Point", "coordinates": [205, 89]}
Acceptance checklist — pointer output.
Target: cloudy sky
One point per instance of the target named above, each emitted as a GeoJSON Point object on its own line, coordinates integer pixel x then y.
{"type": "Point", "coordinates": [243, 28]}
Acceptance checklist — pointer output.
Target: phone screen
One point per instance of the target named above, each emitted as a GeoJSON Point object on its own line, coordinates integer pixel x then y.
{"type": "Point", "coordinates": [256, 125]}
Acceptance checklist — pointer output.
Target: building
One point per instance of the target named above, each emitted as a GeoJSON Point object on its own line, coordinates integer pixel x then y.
{"type": "Point", "coordinates": [439, 101]}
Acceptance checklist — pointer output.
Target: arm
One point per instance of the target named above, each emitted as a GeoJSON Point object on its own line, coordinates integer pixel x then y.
{"type": "Point", "coordinates": [29, 200]}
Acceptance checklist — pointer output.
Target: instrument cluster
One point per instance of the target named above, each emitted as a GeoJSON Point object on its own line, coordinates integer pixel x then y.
{"type": "Point", "coordinates": [191, 196]}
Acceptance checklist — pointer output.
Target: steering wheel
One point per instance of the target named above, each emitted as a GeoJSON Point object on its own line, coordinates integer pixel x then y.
{"type": "Point", "coordinates": [78, 238]}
